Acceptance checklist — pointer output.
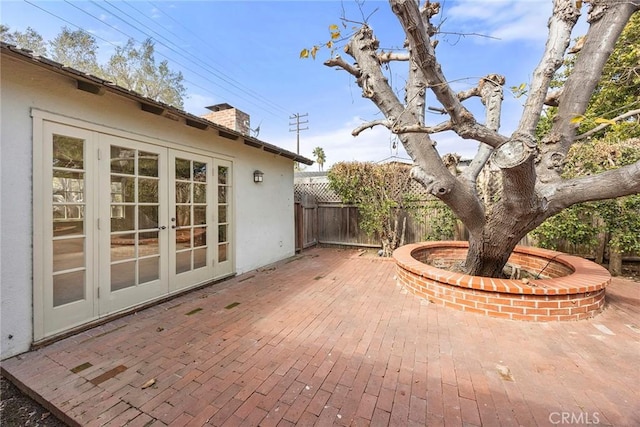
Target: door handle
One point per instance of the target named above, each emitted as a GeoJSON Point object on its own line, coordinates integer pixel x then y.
{"type": "Point", "coordinates": [163, 227]}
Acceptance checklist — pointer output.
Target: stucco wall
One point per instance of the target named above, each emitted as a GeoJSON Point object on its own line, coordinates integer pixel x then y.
{"type": "Point", "coordinates": [264, 216]}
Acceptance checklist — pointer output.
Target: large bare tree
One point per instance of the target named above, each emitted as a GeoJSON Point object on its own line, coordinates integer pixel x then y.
{"type": "Point", "coordinates": [531, 188]}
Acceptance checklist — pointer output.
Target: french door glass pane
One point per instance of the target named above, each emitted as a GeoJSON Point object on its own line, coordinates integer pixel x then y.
{"type": "Point", "coordinates": [200, 236]}
{"type": "Point", "coordinates": [68, 152]}
{"type": "Point", "coordinates": [183, 169]}
{"type": "Point", "coordinates": [148, 243]}
{"type": "Point", "coordinates": [222, 252]}
{"type": "Point", "coordinates": [123, 275]}
{"type": "Point", "coordinates": [123, 160]}
{"type": "Point", "coordinates": [148, 164]}
{"type": "Point", "coordinates": [183, 262]}
{"type": "Point", "coordinates": [123, 246]}
{"type": "Point", "coordinates": [68, 287]}
{"type": "Point", "coordinates": [148, 217]}
{"type": "Point", "coordinates": [222, 213]}
{"type": "Point", "coordinates": [222, 233]}
{"type": "Point", "coordinates": [68, 254]}
{"type": "Point", "coordinates": [223, 172]}
{"type": "Point", "coordinates": [199, 258]}
{"type": "Point", "coordinates": [200, 193]}
{"type": "Point", "coordinates": [148, 190]}
{"type": "Point", "coordinates": [149, 269]}
{"type": "Point", "coordinates": [199, 215]}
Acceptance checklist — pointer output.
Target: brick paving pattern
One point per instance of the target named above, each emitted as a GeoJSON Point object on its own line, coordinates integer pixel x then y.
{"type": "Point", "coordinates": [330, 338]}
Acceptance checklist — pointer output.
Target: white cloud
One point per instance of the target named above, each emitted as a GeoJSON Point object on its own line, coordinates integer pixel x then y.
{"type": "Point", "coordinates": [372, 145]}
{"type": "Point", "coordinates": [507, 20]}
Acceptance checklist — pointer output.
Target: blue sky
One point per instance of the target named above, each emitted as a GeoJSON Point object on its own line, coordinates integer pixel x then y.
{"type": "Point", "coordinates": [246, 53]}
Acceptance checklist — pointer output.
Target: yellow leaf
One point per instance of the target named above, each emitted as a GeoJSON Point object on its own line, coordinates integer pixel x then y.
{"type": "Point", "coordinates": [333, 27]}
{"type": "Point", "coordinates": [522, 86]}
{"type": "Point", "coordinates": [149, 383]}
{"type": "Point", "coordinates": [577, 119]}
{"type": "Point", "coordinates": [314, 50]}
{"type": "Point", "coordinates": [329, 44]}
{"type": "Point", "coordinates": [304, 53]}
{"type": "Point", "coordinates": [600, 120]}
{"type": "Point", "coordinates": [335, 35]}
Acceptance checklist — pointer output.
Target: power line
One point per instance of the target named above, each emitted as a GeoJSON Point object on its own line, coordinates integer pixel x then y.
{"type": "Point", "coordinates": [205, 42]}
{"type": "Point", "coordinates": [162, 44]}
{"type": "Point", "coordinates": [207, 90]}
{"type": "Point", "coordinates": [218, 73]}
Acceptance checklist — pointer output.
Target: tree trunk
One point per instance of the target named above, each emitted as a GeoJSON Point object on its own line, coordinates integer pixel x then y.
{"type": "Point", "coordinates": [506, 225]}
{"type": "Point", "coordinates": [488, 256]}
{"type": "Point", "coordinates": [603, 240]}
{"type": "Point", "coordinates": [615, 262]}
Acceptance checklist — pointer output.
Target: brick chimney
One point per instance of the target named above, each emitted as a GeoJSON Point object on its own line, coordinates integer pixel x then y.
{"type": "Point", "coordinates": [229, 117]}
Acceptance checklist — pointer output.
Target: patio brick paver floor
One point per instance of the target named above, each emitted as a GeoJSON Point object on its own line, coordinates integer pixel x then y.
{"type": "Point", "coordinates": [329, 338]}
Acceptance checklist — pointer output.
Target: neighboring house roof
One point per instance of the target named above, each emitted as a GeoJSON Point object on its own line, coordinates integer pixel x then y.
{"type": "Point", "coordinates": [96, 85]}
{"type": "Point", "coordinates": [310, 174]}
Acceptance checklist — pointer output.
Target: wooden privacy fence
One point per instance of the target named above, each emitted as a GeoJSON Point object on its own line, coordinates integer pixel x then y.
{"type": "Point", "coordinates": [322, 218]}
{"type": "Point", "coordinates": [334, 223]}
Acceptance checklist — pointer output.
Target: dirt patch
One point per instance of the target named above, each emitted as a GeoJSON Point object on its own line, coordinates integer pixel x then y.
{"type": "Point", "coordinates": [17, 409]}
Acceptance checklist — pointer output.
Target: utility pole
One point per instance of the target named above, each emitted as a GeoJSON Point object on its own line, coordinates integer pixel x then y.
{"type": "Point", "coordinates": [297, 129]}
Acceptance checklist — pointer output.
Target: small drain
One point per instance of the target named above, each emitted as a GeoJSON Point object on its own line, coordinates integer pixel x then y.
{"type": "Point", "coordinates": [81, 368]}
{"type": "Point", "coordinates": [108, 375]}
{"type": "Point", "coordinates": [233, 304]}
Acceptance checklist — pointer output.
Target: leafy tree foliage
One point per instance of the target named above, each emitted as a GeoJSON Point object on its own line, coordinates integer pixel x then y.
{"type": "Point", "coordinates": [619, 218]}
{"type": "Point", "coordinates": [29, 40]}
{"type": "Point", "coordinates": [136, 69]}
{"type": "Point", "coordinates": [130, 67]}
{"type": "Point", "coordinates": [76, 49]}
{"type": "Point", "coordinates": [378, 191]}
{"type": "Point", "coordinates": [320, 157]}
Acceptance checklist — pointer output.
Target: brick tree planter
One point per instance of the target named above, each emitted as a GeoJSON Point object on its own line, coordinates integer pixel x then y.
{"type": "Point", "coordinates": [560, 287]}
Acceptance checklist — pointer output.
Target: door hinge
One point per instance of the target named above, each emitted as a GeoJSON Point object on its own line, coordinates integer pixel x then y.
{"type": "Point", "coordinates": [98, 223]}
{"type": "Point", "coordinates": [98, 293]}
{"type": "Point", "coordinates": [99, 154]}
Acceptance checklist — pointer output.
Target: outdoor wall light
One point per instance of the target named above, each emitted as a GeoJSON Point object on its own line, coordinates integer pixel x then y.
{"type": "Point", "coordinates": [257, 176]}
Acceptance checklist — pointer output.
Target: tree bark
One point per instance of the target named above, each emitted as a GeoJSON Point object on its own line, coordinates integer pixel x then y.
{"type": "Point", "coordinates": [615, 262]}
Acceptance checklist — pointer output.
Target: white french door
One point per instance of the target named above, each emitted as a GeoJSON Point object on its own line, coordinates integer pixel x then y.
{"type": "Point", "coordinates": [191, 206]}
{"type": "Point", "coordinates": [133, 218]}
{"type": "Point", "coordinates": [123, 222]}
{"type": "Point", "coordinates": [64, 239]}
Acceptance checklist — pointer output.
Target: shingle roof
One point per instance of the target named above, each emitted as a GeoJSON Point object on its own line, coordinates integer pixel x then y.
{"type": "Point", "coordinates": [97, 85]}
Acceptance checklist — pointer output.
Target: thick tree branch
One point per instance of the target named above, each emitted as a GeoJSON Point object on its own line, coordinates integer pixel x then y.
{"type": "Point", "coordinates": [369, 125]}
{"type": "Point", "coordinates": [491, 95]}
{"type": "Point", "coordinates": [423, 54]}
{"type": "Point", "coordinates": [565, 15]}
{"type": "Point", "coordinates": [444, 126]}
{"type": "Point", "coordinates": [385, 57]}
{"type": "Point", "coordinates": [337, 61]}
{"type": "Point", "coordinates": [611, 184]}
{"type": "Point", "coordinates": [607, 19]}
{"type": "Point", "coordinates": [466, 94]}
{"type": "Point", "coordinates": [604, 125]}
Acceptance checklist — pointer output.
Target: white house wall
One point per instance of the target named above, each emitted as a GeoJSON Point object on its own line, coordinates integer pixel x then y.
{"type": "Point", "coordinates": [263, 213]}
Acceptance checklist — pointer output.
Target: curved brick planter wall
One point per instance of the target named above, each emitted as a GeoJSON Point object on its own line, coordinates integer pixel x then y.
{"type": "Point", "coordinates": [568, 287]}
